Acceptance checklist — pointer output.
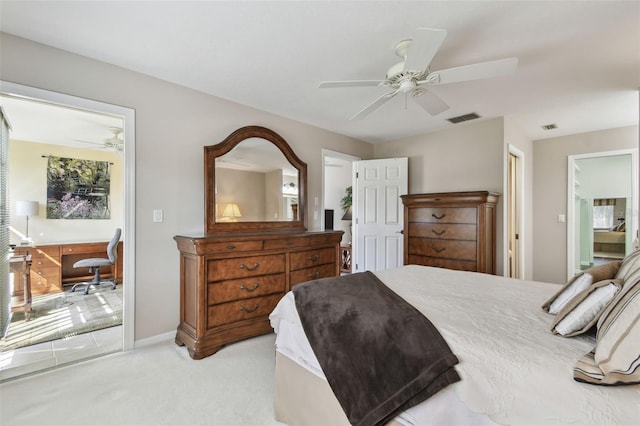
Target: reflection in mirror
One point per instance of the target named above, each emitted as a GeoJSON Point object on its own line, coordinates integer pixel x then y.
{"type": "Point", "coordinates": [255, 183]}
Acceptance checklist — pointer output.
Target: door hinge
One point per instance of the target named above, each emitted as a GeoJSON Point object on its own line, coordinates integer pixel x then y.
{"type": "Point", "coordinates": [517, 236]}
{"type": "Point", "coordinates": [357, 175]}
{"type": "Point", "coordinates": [356, 267]}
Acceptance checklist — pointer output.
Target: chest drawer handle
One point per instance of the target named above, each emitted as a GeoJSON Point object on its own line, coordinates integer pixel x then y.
{"type": "Point", "coordinates": [439, 216]}
{"type": "Point", "coordinates": [438, 233]}
{"type": "Point", "coordinates": [438, 250]}
{"type": "Point", "coordinates": [314, 275]}
{"type": "Point", "coordinates": [230, 247]}
{"type": "Point", "coordinates": [255, 286]}
{"type": "Point", "coordinates": [249, 268]}
{"type": "Point", "coordinates": [249, 310]}
{"type": "Point", "coordinates": [314, 258]}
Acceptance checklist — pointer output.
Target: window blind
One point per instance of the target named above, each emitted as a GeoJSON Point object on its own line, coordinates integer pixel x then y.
{"type": "Point", "coordinates": [5, 297]}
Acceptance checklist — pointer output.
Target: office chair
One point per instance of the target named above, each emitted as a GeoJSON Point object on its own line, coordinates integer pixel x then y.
{"type": "Point", "coordinates": [94, 265]}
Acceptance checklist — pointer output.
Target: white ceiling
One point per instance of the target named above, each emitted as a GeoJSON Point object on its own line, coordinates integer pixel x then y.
{"type": "Point", "coordinates": [579, 62]}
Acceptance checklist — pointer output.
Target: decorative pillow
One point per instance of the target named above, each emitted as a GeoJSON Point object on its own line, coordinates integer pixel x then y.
{"type": "Point", "coordinates": [578, 284]}
{"type": "Point", "coordinates": [616, 357]}
{"type": "Point", "coordinates": [583, 311]}
{"type": "Point", "coordinates": [629, 264]}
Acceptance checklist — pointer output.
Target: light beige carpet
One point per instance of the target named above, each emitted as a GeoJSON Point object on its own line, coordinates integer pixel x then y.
{"type": "Point", "coordinates": [152, 385]}
{"type": "Point", "coordinates": [61, 315]}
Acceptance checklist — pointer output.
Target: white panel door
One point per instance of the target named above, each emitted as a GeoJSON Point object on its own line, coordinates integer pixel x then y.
{"type": "Point", "coordinates": [378, 213]}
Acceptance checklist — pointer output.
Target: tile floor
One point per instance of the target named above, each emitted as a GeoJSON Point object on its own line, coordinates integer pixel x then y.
{"type": "Point", "coordinates": [48, 355]}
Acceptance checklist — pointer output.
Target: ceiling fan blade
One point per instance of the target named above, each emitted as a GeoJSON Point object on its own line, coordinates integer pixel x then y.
{"type": "Point", "coordinates": [477, 71]}
{"type": "Point", "coordinates": [89, 142]}
{"type": "Point", "coordinates": [426, 43]}
{"type": "Point", "coordinates": [430, 102]}
{"type": "Point", "coordinates": [352, 83]}
{"type": "Point", "coordinates": [373, 105]}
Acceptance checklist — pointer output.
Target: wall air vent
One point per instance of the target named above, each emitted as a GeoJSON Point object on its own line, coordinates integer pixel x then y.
{"type": "Point", "coordinates": [550, 126]}
{"type": "Point", "coordinates": [462, 118]}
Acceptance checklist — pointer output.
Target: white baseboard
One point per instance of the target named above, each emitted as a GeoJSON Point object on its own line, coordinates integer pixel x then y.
{"type": "Point", "coordinates": [169, 335]}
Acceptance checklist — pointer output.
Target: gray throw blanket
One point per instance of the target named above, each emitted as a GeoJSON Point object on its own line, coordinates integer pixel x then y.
{"type": "Point", "coordinates": [379, 354]}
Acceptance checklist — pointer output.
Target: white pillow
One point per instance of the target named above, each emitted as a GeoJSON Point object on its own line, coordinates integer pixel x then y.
{"type": "Point", "coordinates": [577, 286]}
{"type": "Point", "coordinates": [585, 310]}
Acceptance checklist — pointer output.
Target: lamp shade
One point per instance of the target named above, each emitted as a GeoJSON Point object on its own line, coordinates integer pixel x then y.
{"type": "Point", "coordinates": [347, 215]}
{"type": "Point", "coordinates": [231, 210]}
{"type": "Point", "coordinates": [26, 208]}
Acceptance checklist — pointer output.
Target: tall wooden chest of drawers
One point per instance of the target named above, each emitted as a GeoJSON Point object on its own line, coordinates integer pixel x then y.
{"type": "Point", "coordinates": [453, 230]}
{"type": "Point", "coordinates": [229, 284]}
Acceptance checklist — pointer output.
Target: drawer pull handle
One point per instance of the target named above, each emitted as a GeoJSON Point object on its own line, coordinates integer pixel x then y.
{"type": "Point", "coordinates": [248, 268]}
{"type": "Point", "coordinates": [255, 286]}
{"type": "Point", "coordinates": [438, 250]}
{"type": "Point", "coordinates": [314, 275]}
{"type": "Point", "coordinates": [249, 310]}
{"type": "Point", "coordinates": [438, 233]}
{"type": "Point", "coordinates": [439, 216]}
{"type": "Point", "coordinates": [230, 247]}
{"type": "Point", "coordinates": [314, 258]}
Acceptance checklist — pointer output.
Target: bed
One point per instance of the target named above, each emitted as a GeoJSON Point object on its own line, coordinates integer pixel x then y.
{"type": "Point", "coordinates": [512, 368]}
{"type": "Point", "coordinates": [609, 241]}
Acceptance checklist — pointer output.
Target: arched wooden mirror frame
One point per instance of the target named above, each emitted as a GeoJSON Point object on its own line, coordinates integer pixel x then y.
{"type": "Point", "coordinates": [212, 152]}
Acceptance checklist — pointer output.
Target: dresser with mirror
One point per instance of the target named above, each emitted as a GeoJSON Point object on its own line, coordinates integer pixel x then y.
{"type": "Point", "coordinates": [256, 246]}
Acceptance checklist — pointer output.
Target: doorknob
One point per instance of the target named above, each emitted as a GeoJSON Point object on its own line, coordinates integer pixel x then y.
{"type": "Point", "coordinates": [400, 231]}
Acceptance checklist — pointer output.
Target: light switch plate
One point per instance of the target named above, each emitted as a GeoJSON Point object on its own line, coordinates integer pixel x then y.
{"type": "Point", "coordinates": [158, 215]}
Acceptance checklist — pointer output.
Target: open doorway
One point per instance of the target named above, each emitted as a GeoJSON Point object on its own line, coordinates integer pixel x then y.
{"type": "Point", "coordinates": [602, 199]}
{"type": "Point", "coordinates": [337, 181]}
{"type": "Point", "coordinates": [14, 363]}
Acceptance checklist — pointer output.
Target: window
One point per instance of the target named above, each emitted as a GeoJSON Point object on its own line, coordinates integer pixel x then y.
{"type": "Point", "coordinates": [603, 217]}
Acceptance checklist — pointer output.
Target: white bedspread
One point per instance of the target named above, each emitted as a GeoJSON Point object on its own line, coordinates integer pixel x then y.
{"type": "Point", "coordinates": [513, 368]}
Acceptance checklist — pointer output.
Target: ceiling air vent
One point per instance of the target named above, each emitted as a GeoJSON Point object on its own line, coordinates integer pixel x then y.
{"type": "Point", "coordinates": [550, 126]}
{"type": "Point", "coordinates": [462, 118]}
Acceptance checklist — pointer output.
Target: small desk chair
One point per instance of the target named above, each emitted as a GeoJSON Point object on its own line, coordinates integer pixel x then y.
{"type": "Point", "coordinates": [94, 265]}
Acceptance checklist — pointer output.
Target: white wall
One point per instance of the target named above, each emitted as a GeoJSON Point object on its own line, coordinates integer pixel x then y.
{"type": "Point", "coordinates": [550, 193]}
{"type": "Point", "coordinates": [173, 123]}
{"type": "Point", "coordinates": [28, 181]}
{"type": "Point", "coordinates": [467, 157]}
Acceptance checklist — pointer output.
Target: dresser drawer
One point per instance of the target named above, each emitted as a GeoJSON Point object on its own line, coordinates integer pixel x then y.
{"type": "Point", "coordinates": [244, 288]}
{"type": "Point", "coordinates": [444, 231]}
{"type": "Point", "coordinates": [240, 267]}
{"type": "Point", "coordinates": [444, 215]}
{"type": "Point", "coordinates": [308, 258]}
{"type": "Point", "coordinates": [52, 252]}
{"type": "Point", "coordinates": [286, 242]}
{"type": "Point", "coordinates": [45, 280]}
{"type": "Point", "coordinates": [461, 265]}
{"type": "Point", "coordinates": [448, 249]}
{"type": "Point", "coordinates": [85, 248]}
{"type": "Point", "coordinates": [313, 273]}
{"type": "Point", "coordinates": [39, 262]}
{"type": "Point", "coordinates": [234, 246]}
{"type": "Point", "coordinates": [254, 307]}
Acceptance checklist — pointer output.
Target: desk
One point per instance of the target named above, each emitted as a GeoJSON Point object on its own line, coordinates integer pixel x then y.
{"type": "Point", "coordinates": [21, 296]}
{"type": "Point", "coordinates": [52, 264]}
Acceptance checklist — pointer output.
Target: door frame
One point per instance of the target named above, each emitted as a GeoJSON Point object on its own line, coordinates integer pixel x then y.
{"type": "Point", "coordinates": [520, 180]}
{"type": "Point", "coordinates": [571, 183]}
{"type": "Point", "coordinates": [128, 117]}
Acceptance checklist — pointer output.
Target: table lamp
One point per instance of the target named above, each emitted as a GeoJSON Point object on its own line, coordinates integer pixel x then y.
{"type": "Point", "coordinates": [231, 212]}
{"type": "Point", "coordinates": [26, 208]}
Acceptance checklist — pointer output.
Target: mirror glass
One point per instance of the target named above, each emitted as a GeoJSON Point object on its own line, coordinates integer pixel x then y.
{"type": "Point", "coordinates": [254, 182]}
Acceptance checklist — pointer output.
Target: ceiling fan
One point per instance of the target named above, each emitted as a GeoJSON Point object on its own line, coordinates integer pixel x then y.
{"type": "Point", "coordinates": [413, 75]}
{"type": "Point", "coordinates": [113, 143]}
